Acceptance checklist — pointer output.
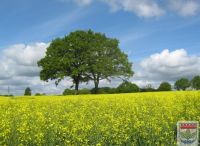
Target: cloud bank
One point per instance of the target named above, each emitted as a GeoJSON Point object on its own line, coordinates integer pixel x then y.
{"type": "Point", "coordinates": [167, 66]}
{"type": "Point", "coordinates": [19, 69]}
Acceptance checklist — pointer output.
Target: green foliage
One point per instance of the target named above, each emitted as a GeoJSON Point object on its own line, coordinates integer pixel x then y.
{"type": "Point", "coordinates": [84, 91]}
{"type": "Point", "coordinates": [7, 95]}
{"type": "Point", "coordinates": [68, 92]}
{"type": "Point", "coordinates": [165, 86]}
{"type": "Point", "coordinates": [40, 94]}
{"type": "Point", "coordinates": [182, 84]}
{"type": "Point", "coordinates": [84, 56]}
{"type": "Point", "coordinates": [66, 57]}
{"type": "Point", "coordinates": [106, 60]}
{"type": "Point", "coordinates": [27, 91]}
{"type": "Point", "coordinates": [127, 87]}
{"type": "Point", "coordinates": [104, 90]}
{"type": "Point", "coordinates": [72, 92]}
{"type": "Point", "coordinates": [195, 83]}
{"type": "Point", "coordinates": [149, 89]}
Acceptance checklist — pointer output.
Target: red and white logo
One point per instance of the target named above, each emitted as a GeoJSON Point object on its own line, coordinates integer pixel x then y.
{"type": "Point", "coordinates": [187, 133]}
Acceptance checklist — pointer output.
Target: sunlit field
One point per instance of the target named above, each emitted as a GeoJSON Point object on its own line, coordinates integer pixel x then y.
{"type": "Point", "coordinates": [143, 119]}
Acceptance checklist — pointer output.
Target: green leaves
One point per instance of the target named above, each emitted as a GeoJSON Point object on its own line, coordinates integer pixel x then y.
{"type": "Point", "coordinates": [27, 91]}
{"type": "Point", "coordinates": [182, 84]}
{"type": "Point", "coordinates": [196, 82]}
{"type": "Point", "coordinates": [84, 56]}
{"type": "Point", "coordinates": [165, 86]}
{"type": "Point", "coordinates": [127, 87]}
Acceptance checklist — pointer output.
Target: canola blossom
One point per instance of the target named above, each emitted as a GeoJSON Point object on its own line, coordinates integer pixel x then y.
{"type": "Point", "coordinates": [137, 119]}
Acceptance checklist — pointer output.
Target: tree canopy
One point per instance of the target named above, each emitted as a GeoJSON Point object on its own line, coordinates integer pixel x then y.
{"type": "Point", "coordinates": [127, 87]}
{"type": "Point", "coordinates": [27, 91]}
{"type": "Point", "coordinates": [66, 57]}
{"type": "Point", "coordinates": [165, 86]}
{"type": "Point", "coordinates": [195, 83]}
{"type": "Point", "coordinates": [84, 56]}
{"type": "Point", "coordinates": [182, 84]}
{"type": "Point", "coordinates": [106, 60]}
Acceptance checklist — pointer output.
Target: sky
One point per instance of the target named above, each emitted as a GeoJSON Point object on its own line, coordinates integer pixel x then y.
{"type": "Point", "coordinates": [161, 38]}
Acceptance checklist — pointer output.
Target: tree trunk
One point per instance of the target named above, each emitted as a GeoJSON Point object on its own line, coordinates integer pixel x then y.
{"type": "Point", "coordinates": [76, 87]}
{"type": "Point", "coordinates": [96, 84]}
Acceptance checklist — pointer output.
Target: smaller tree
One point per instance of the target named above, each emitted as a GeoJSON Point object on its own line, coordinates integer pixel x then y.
{"type": "Point", "coordinates": [127, 87]}
{"type": "Point", "coordinates": [196, 82]}
{"type": "Point", "coordinates": [165, 86]}
{"type": "Point", "coordinates": [27, 91]}
{"type": "Point", "coordinates": [182, 84]}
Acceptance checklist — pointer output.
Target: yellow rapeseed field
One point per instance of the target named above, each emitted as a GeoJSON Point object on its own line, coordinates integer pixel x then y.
{"type": "Point", "coordinates": [142, 119]}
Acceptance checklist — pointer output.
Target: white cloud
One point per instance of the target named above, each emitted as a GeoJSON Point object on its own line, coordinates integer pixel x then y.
{"type": "Point", "coordinates": [142, 8]}
{"type": "Point", "coordinates": [168, 66]}
{"type": "Point", "coordinates": [19, 69]}
{"type": "Point", "coordinates": [26, 55]}
{"type": "Point", "coordinates": [19, 65]}
{"type": "Point", "coordinates": [185, 7]}
{"type": "Point", "coordinates": [21, 60]}
{"type": "Point", "coordinates": [147, 8]}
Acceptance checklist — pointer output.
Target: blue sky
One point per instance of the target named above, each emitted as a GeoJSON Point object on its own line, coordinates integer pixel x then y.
{"type": "Point", "coordinates": [143, 27]}
{"type": "Point", "coordinates": [28, 21]}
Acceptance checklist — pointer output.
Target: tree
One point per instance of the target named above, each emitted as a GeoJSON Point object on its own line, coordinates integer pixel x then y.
{"type": "Point", "coordinates": [66, 57]}
{"type": "Point", "coordinates": [165, 86]}
{"type": "Point", "coordinates": [27, 91]}
{"type": "Point", "coordinates": [195, 83]}
{"type": "Point", "coordinates": [127, 87]}
{"type": "Point", "coordinates": [182, 84]}
{"type": "Point", "coordinates": [106, 60]}
{"type": "Point", "coordinates": [84, 56]}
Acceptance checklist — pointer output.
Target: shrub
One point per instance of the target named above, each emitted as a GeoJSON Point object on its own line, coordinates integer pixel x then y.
{"type": "Point", "coordinates": [104, 90]}
{"type": "Point", "coordinates": [165, 86]}
{"type": "Point", "coordinates": [127, 87]}
{"type": "Point", "coordinates": [195, 83]}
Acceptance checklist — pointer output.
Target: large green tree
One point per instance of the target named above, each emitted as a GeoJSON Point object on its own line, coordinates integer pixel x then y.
{"type": "Point", "coordinates": [196, 82]}
{"type": "Point", "coordinates": [84, 56]}
{"type": "Point", "coordinates": [165, 86]}
{"type": "Point", "coordinates": [182, 84]}
{"type": "Point", "coordinates": [66, 57]}
{"type": "Point", "coordinates": [106, 59]}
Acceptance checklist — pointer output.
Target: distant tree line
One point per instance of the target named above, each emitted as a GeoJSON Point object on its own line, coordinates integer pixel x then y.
{"type": "Point", "coordinates": [128, 87]}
